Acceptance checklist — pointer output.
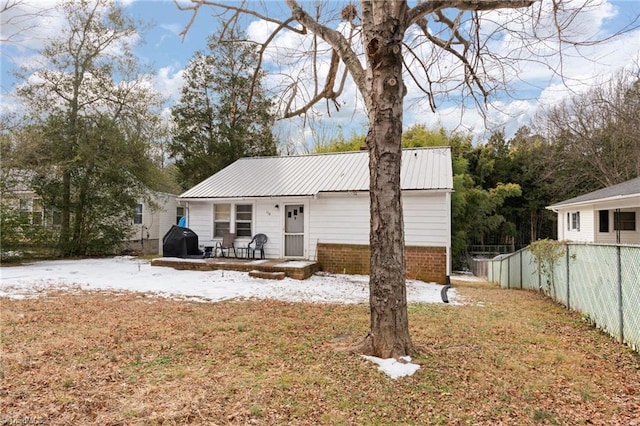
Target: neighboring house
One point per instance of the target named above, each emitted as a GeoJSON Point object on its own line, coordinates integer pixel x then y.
{"type": "Point", "coordinates": [151, 220]}
{"type": "Point", "coordinates": [18, 195]}
{"type": "Point", "coordinates": [609, 215]}
{"type": "Point", "coordinates": [316, 207]}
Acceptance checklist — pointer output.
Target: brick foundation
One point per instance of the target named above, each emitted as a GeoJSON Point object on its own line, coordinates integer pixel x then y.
{"type": "Point", "coordinates": [423, 263]}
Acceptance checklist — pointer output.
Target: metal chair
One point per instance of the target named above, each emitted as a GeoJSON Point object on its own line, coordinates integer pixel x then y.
{"type": "Point", "coordinates": [227, 244]}
{"type": "Point", "coordinates": [258, 241]}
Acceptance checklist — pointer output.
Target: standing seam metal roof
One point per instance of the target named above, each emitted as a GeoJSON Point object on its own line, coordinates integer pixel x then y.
{"type": "Point", "coordinates": [308, 175]}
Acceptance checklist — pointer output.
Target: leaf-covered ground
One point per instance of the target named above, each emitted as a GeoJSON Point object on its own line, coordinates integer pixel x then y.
{"type": "Point", "coordinates": [506, 357]}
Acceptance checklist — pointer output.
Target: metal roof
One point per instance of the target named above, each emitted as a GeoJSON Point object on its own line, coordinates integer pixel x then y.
{"type": "Point", "coordinates": [309, 175]}
{"type": "Point", "coordinates": [624, 189]}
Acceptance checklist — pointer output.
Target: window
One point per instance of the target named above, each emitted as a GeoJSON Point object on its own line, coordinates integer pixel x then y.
{"type": "Point", "coordinates": [624, 221]}
{"type": "Point", "coordinates": [37, 213]}
{"type": "Point", "coordinates": [25, 207]}
{"type": "Point", "coordinates": [244, 214]}
{"type": "Point", "coordinates": [221, 219]}
{"type": "Point", "coordinates": [31, 210]}
{"type": "Point", "coordinates": [179, 214]}
{"type": "Point", "coordinates": [56, 218]}
{"type": "Point", "coordinates": [603, 220]}
{"type": "Point", "coordinates": [137, 215]}
{"type": "Point", "coordinates": [575, 221]}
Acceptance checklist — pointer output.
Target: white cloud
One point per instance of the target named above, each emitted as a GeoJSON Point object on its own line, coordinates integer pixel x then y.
{"type": "Point", "coordinates": [168, 82]}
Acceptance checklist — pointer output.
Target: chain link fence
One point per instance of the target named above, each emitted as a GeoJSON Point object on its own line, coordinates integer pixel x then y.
{"type": "Point", "coordinates": [600, 281]}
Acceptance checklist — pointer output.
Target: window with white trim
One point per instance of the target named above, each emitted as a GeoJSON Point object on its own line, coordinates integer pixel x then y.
{"type": "Point", "coordinates": [244, 219]}
{"type": "Point", "coordinates": [137, 215]}
{"type": "Point", "coordinates": [26, 204]}
{"type": "Point", "coordinates": [575, 221]}
{"type": "Point", "coordinates": [179, 214]}
{"type": "Point", "coordinates": [221, 219]}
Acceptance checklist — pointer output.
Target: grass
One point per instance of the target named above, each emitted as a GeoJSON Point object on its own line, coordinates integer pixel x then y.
{"type": "Point", "coordinates": [506, 357]}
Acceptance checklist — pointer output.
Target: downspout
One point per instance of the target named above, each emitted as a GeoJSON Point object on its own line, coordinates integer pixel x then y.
{"type": "Point", "coordinates": [443, 292]}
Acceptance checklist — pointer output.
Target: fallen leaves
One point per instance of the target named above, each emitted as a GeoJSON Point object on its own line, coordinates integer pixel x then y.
{"type": "Point", "coordinates": [99, 358]}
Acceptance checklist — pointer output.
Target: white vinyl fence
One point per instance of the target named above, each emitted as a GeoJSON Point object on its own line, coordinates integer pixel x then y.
{"type": "Point", "coordinates": [600, 281]}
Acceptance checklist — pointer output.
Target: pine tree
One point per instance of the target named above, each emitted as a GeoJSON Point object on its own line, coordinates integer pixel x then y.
{"type": "Point", "coordinates": [223, 113]}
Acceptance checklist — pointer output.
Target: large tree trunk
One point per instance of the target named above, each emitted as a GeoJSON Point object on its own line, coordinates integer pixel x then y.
{"type": "Point", "coordinates": [389, 334]}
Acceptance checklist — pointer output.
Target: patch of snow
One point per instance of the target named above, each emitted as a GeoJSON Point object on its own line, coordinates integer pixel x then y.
{"type": "Point", "coordinates": [394, 368]}
{"type": "Point", "coordinates": [294, 264]}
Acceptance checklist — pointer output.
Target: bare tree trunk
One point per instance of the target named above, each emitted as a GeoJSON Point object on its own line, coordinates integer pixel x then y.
{"type": "Point", "coordinates": [389, 334]}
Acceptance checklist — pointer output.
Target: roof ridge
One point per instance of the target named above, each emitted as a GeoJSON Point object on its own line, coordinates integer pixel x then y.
{"type": "Point", "coordinates": [317, 154]}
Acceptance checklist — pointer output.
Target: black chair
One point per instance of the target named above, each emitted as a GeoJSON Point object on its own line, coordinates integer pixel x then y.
{"type": "Point", "coordinates": [227, 244]}
{"type": "Point", "coordinates": [258, 242]}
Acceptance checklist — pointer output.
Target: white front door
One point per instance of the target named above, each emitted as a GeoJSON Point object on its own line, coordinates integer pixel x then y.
{"type": "Point", "coordinates": [294, 230]}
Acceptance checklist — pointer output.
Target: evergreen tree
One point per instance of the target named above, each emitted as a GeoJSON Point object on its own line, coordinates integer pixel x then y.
{"type": "Point", "coordinates": [223, 113]}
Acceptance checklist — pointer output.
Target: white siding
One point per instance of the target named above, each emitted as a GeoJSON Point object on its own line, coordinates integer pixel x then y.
{"type": "Point", "coordinates": [269, 222]}
{"type": "Point", "coordinates": [345, 220]}
{"type": "Point", "coordinates": [156, 221]}
{"type": "Point", "coordinates": [586, 231]}
{"type": "Point", "coordinates": [167, 218]}
{"type": "Point", "coordinates": [426, 220]}
{"type": "Point", "coordinates": [339, 219]}
{"type": "Point", "coordinates": [336, 218]}
{"type": "Point", "coordinates": [200, 220]}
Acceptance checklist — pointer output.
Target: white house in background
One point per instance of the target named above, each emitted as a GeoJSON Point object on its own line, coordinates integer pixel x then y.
{"type": "Point", "coordinates": [316, 207]}
{"type": "Point", "coordinates": [151, 220]}
{"type": "Point", "coordinates": [608, 215]}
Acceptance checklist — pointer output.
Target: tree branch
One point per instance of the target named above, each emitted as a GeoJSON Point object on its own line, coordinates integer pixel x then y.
{"type": "Point", "coordinates": [418, 11]}
{"type": "Point", "coordinates": [226, 6]}
{"type": "Point", "coordinates": [336, 40]}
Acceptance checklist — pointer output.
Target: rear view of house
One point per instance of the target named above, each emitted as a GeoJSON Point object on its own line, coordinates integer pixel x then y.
{"type": "Point", "coordinates": [316, 207]}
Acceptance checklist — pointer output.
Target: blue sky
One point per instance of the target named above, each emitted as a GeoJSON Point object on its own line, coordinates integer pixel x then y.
{"type": "Point", "coordinates": [536, 86]}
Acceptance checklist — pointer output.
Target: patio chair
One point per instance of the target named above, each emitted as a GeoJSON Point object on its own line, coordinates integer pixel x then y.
{"type": "Point", "coordinates": [227, 244]}
{"type": "Point", "coordinates": [258, 242]}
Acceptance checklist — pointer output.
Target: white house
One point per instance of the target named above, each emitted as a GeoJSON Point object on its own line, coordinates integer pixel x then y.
{"type": "Point", "coordinates": [151, 220]}
{"type": "Point", "coordinates": [609, 215]}
{"type": "Point", "coordinates": [316, 207]}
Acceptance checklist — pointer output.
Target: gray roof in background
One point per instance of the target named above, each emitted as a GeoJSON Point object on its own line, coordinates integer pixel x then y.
{"type": "Point", "coordinates": [628, 188]}
{"type": "Point", "coordinates": [308, 175]}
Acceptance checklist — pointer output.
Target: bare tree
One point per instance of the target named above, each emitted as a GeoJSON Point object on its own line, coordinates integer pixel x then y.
{"type": "Point", "coordinates": [18, 17]}
{"type": "Point", "coordinates": [596, 134]}
{"type": "Point", "coordinates": [442, 46]}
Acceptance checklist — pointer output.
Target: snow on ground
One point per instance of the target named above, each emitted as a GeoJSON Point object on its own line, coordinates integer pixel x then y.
{"type": "Point", "coordinates": [130, 274]}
